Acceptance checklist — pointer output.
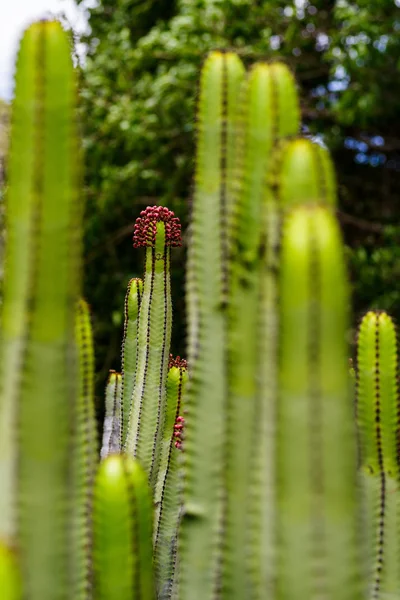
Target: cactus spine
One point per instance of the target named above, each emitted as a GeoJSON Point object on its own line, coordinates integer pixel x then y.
{"type": "Point", "coordinates": [200, 539]}
{"type": "Point", "coordinates": [40, 295]}
{"type": "Point", "coordinates": [378, 426]}
{"type": "Point", "coordinates": [269, 90]}
{"type": "Point", "coordinates": [317, 523]}
{"type": "Point", "coordinates": [158, 230]}
{"type": "Point", "coordinates": [122, 534]}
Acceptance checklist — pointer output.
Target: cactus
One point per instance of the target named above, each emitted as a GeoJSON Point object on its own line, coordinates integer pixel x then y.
{"type": "Point", "coordinates": [157, 230]}
{"type": "Point", "coordinates": [111, 442]}
{"type": "Point", "coordinates": [42, 286]}
{"type": "Point", "coordinates": [252, 470]}
{"type": "Point", "coordinates": [378, 426]}
{"type": "Point", "coordinates": [129, 350]}
{"type": "Point", "coordinates": [122, 532]}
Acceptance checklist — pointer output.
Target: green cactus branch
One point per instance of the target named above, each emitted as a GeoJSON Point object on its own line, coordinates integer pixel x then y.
{"type": "Point", "coordinates": [112, 418]}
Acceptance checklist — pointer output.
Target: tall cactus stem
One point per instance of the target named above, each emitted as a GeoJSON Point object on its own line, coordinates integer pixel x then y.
{"type": "Point", "coordinates": [168, 498]}
{"type": "Point", "coordinates": [378, 414]}
{"type": "Point", "coordinates": [206, 293]}
{"type": "Point", "coordinates": [122, 532]}
{"type": "Point", "coordinates": [129, 350]}
{"type": "Point", "coordinates": [42, 286]}
{"type": "Point", "coordinates": [112, 417]}
{"type": "Point", "coordinates": [158, 230]}
{"type": "Point", "coordinates": [317, 503]}
{"type": "Point", "coordinates": [270, 88]}
{"type": "Point", "coordinates": [10, 577]}
{"type": "Point", "coordinates": [85, 459]}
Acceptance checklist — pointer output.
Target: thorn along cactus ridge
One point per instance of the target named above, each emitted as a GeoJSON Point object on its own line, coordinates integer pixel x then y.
{"type": "Point", "coordinates": [231, 476]}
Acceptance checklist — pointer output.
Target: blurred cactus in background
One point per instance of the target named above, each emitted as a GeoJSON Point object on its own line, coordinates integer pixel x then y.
{"type": "Point", "coordinates": [234, 474]}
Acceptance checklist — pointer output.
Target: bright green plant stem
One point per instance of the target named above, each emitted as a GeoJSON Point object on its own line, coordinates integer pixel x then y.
{"type": "Point", "coordinates": [378, 427]}
{"type": "Point", "coordinates": [10, 579]}
{"type": "Point", "coordinates": [42, 286]}
{"type": "Point", "coordinates": [269, 110]}
{"type": "Point", "coordinates": [168, 498]}
{"type": "Point", "coordinates": [317, 498]}
{"type": "Point", "coordinates": [157, 229]}
{"type": "Point", "coordinates": [129, 350]}
{"type": "Point", "coordinates": [85, 458]}
{"type": "Point", "coordinates": [122, 531]}
{"type": "Point", "coordinates": [207, 283]}
{"type": "Point", "coordinates": [112, 418]}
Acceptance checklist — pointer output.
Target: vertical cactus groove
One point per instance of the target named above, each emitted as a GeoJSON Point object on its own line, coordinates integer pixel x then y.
{"type": "Point", "coordinates": [42, 288]}
{"type": "Point", "coordinates": [268, 90]}
{"type": "Point", "coordinates": [129, 350]}
{"type": "Point", "coordinates": [317, 497]}
{"type": "Point", "coordinates": [168, 492]}
{"type": "Point", "coordinates": [158, 230]}
{"type": "Point", "coordinates": [122, 531]}
{"type": "Point", "coordinates": [378, 429]}
{"type": "Point", "coordinates": [112, 421]}
{"type": "Point", "coordinates": [84, 459]}
{"type": "Point", "coordinates": [10, 579]}
{"type": "Point", "coordinates": [203, 449]}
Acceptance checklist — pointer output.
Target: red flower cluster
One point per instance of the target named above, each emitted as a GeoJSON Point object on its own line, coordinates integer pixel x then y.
{"type": "Point", "coordinates": [145, 227]}
{"type": "Point", "coordinates": [179, 423]}
{"type": "Point", "coordinates": [178, 362]}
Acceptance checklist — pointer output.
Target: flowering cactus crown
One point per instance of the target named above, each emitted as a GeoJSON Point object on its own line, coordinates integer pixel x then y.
{"type": "Point", "coordinates": [178, 362]}
{"type": "Point", "coordinates": [145, 227]}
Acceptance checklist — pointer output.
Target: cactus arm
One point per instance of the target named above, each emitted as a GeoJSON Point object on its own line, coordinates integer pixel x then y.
{"type": "Point", "coordinates": [378, 425]}
{"type": "Point", "coordinates": [207, 271]}
{"type": "Point", "coordinates": [84, 458]}
{"type": "Point", "coordinates": [122, 532]}
{"type": "Point", "coordinates": [47, 376]}
{"type": "Point", "coordinates": [158, 230]}
{"type": "Point", "coordinates": [129, 350]}
{"type": "Point", "coordinates": [168, 494]}
{"type": "Point", "coordinates": [111, 421]}
{"type": "Point", "coordinates": [10, 579]}
{"type": "Point", "coordinates": [317, 526]}
{"type": "Point", "coordinates": [266, 91]}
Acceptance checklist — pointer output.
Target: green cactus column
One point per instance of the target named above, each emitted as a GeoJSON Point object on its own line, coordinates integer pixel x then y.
{"type": "Point", "coordinates": [200, 540]}
{"type": "Point", "coordinates": [42, 285]}
{"type": "Point", "coordinates": [318, 524]}
{"type": "Point", "coordinates": [85, 459]}
{"type": "Point", "coordinates": [168, 496]}
{"type": "Point", "coordinates": [10, 577]}
{"type": "Point", "coordinates": [378, 427]}
{"type": "Point", "coordinates": [122, 531]}
{"type": "Point", "coordinates": [112, 418]}
{"type": "Point", "coordinates": [129, 351]}
{"type": "Point", "coordinates": [157, 229]}
{"type": "Point", "coordinates": [269, 110]}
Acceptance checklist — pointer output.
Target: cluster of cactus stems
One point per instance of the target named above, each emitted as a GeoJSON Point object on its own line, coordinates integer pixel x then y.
{"type": "Point", "coordinates": [250, 471]}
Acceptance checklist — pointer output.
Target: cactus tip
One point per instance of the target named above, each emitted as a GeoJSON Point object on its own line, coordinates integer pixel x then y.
{"type": "Point", "coordinates": [145, 230]}
{"type": "Point", "coordinates": [178, 362]}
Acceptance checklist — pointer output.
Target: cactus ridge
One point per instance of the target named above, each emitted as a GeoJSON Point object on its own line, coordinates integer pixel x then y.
{"type": "Point", "coordinates": [111, 429]}
{"type": "Point", "coordinates": [129, 351]}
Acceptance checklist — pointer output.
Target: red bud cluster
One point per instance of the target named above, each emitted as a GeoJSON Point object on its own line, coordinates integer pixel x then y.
{"type": "Point", "coordinates": [146, 227]}
{"type": "Point", "coordinates": [178, 427]}
{"type": "Point", "coordinates": [178, 362]}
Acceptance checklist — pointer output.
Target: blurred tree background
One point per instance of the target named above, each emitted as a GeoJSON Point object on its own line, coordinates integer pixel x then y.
{"type": "Point", "coordinates": [138, 97]}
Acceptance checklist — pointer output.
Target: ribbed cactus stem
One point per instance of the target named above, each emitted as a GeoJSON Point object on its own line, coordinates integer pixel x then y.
{"type": "Point", "coordinates": [112, 417]}
{"type": "Point", "coordinates": [378, 417]}
{"type": "Point", "coordinates": [168, 496]}
{"type": "Point", "coordinates": [129, 350]}
{"type": "Point", "coordinates": [10, 577]}
{"type": "Point", "coordinates": [122, 531]}
{"type": "Point", "coordinates": [85, 459]}
{"type": "Point", "coordinates": [317, 505]}
{"type": "Point", "coordinates": [158, 230]}
{"type": "Point", "coordinates": [269, 90]}
{"type": "Point", "coordinates": [206, 293]}
{"type": "Point", "coordinates": [42, 287]}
